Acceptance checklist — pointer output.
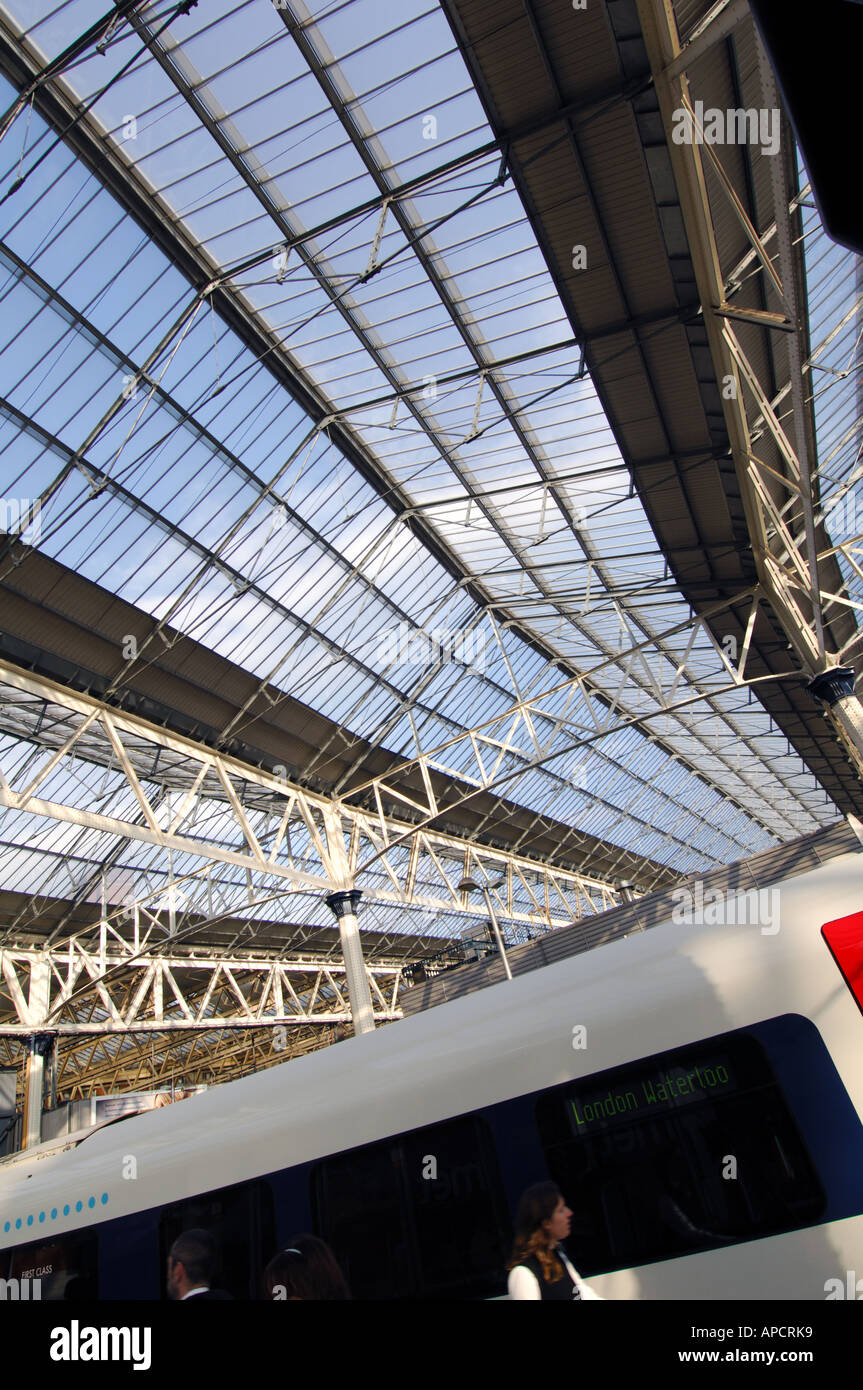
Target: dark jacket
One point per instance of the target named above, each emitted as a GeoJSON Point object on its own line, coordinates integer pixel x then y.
{"type": "Point", "coordinates": [563, 1287]}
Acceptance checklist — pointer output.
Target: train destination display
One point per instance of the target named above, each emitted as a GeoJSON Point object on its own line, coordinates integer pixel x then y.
{"type": "Point", "coordinates": [650, 1093]}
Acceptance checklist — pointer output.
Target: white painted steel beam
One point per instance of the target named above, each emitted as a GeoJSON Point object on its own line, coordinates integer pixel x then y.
{"type": "Point", "coordinates": [153, 992]}
{"type": "Point", "coordinates": [108, 735]}
{"type": "Point", "coordinates": [786, 557]}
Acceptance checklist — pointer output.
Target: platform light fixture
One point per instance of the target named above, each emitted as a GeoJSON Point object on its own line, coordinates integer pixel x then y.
{"type": "Point", "coordinates": [470, 885]}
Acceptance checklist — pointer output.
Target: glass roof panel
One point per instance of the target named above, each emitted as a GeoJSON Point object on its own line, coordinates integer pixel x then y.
{"type": "Point", "coordinates": [180, 462]}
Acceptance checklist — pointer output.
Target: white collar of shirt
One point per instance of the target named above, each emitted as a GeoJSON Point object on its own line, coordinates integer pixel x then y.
{"type": "Point", "coordinates": [191, 1294]}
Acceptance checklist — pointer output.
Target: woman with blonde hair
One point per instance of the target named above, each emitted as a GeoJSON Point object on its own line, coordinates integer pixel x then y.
{"type": "Point", "coordinates": [539, 1268]}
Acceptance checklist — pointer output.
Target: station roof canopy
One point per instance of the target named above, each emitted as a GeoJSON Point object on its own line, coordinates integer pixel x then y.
{"type": "Point", "coordinates": [363, 427]}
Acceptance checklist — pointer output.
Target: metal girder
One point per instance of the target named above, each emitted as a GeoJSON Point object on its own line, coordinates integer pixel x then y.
{"type": "Point", "coordinates": [186, 82]}
{"type": "Point", "coordinates": [228, 303]}
{"type": "Point", "coordinates": [90, 142]}
{"type": "Point", "coordinates": [568, 192]}
{"type": "Point", "coordinates": [785, 540]}
{"type": "Point", "coordinates": [101, 480]}
{"type": "Point", "coordinates": [183, 799]}
{"type": "Point", "coordinates": [129, 991]}
{"type": "Point", "coordinates": [219, 809]}
{"type": "Point", "coordinates": [719, 21]}
{"type": "Point", "coordinates": [528, 734]}
{"type": "Point", "coordinates": [413, 704]}
{"type": "Point", "coordinates": [96, 37]}
{"type": "Point", "coordinates": [95, 1064]}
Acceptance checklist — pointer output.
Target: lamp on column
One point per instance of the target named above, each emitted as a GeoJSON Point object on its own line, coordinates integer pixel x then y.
{"type": "Point", "coordinates": [470, 885]}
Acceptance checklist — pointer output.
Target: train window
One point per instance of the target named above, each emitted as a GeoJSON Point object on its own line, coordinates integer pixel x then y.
{"type": "Point", "coordinates": [241, 1221]}
{"type": "Point", "coordinates": [61, 1269]}
{"type": "Point", "coordinates": [688, 1150]}
{"type": "Point", "coordinates": [420, 1215]}
{"type": "Point", "coordinates": [458, 1208]}
{"type": "Point", "coordinates": [359, 1208]}
{"type": "Point", "coordinates": [844, 937]}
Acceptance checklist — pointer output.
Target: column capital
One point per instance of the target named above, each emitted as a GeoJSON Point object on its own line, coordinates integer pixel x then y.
{"type": "Point", "coordinates": [833, 685]}
{"type": "Point", "coordinates": [344, 902]}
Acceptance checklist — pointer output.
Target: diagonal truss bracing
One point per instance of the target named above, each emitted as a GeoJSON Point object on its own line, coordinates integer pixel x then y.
{"type": "Point", "coordinates": [605, 711]}
{"type": "Point", "coordinates": [382, 836]}
{"type": "Point", "coordinates": [682, 736]}
{"type": "Point", "coordinates": [215, 808]}
{"type": "Point", "coordinates": [797, 566]}
{"type": "Point", "coordinates": [118, 988]}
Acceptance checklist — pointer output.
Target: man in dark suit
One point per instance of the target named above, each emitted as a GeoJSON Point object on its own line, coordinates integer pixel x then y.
{"type": "Point", "coordinates": [191, 1265]}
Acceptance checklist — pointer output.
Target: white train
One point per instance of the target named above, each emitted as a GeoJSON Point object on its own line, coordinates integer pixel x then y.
{"type": "Point", "coordinates": [696, 1092]}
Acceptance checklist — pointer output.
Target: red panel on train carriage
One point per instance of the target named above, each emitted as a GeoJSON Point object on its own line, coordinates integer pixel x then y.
{"type": "Point", "coordinates": [845, 939]}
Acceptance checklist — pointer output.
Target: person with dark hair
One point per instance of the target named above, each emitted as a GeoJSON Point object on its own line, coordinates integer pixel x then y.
{"type": "Point", "coordinates": [539, 1268]}
{"type": "Point", "coordinates": [307, 1269]}
{"type": "Point", "coordinates": [191, 1266]}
